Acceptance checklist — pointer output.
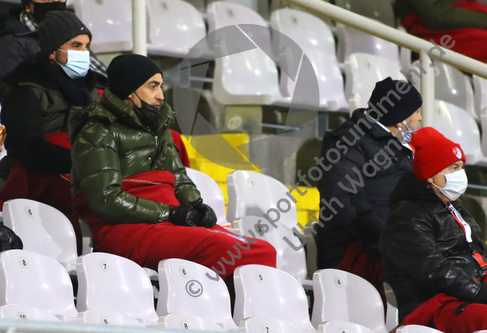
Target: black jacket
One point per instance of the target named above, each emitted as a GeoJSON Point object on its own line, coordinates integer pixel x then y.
{"type": "Point", "coordinates": [365, 212]}
{"type": "Point", "coordinates": [39, 105]}
{"type": "Point", "coordinates": [18, 43]}
{"type": "Point", "coordinates": [424, 249]}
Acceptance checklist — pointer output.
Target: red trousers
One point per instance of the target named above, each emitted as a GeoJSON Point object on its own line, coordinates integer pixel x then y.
{"type": "Point", "coordinates": [468, 41]}
{"type": "Point", "coordinates": [147, 244]}
{"type": "Point", "coordinates": [449, 315]}
{"type": "Point", "coordinates": [366, 262]}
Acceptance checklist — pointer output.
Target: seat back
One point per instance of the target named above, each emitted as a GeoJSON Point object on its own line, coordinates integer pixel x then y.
{"type": "Point", "coordinates": [392, 314]}
{"type": "Point", "coordinates": [418, 329]}
{"type": "Point", "coordinates": [251, 193]}
{"type": "Point", "coordinates": [247, 75]}
{"type": "Point", "coordinates": [175, 26]}
{"type": "Point", "coordinates": [24, 312]}
{"type": "Point", "coordinates": [107, 317]}
{"type": "Point", "coordinates": [380, 10]}
{"type": "Point", "coordinates": [315, 38]}
{"type": "Point", "coordinates": [210, 192]}
{"type": "Point", "coordinates": [267, 324]}
{"type": "Point", "coordinates": [187, 321]}
{"type": "Point", "coordinates": [363, 71]}
{"type": "Point", "coordinates": [480, 96]}
{"type": "Point", "coordinates": [340, 326]}
{"type": "Point", "coordinates": [458, 125]}
{"type": "Point", "coordinates": [351, 41]}
{"type": "Point", "coordinates": [108, 281]}
{"type": "Point", "coordinates": [452, 86]}
{"type": "Point", "coordinates": [340, 295]}
{"type": "Point", "coordinates": [43, 229]}
{"type": "Point", "coordinates": [186, 288]}
{"type": "Point", "coordinates": [33, 279]}
{"type": "Point", "coordinates": [290, 252]}
{"type": "Point", "coordinates": [262, 291]}
{"type": "Point", "coordinates": [110, 22]}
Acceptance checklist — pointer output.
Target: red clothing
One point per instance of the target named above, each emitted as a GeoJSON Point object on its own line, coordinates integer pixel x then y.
{"type": "Point", "coordinates": [468, 41]}
{"type": "Point", "coordinates": [183, 154]}
{"type": "Point", "coordinates": [147, 244]}
{"type": "Point", "coordinates": [449, 315]}
{"type": "Point", "coordinates": [366, 262]}
{"type": "Point", "coordinates": [46, 187]}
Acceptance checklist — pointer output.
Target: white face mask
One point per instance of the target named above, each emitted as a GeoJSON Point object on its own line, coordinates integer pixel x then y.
{"type": "Point", "coordinates": [78, 63]}
{"type": "Point", "coordinates": [456, 184]}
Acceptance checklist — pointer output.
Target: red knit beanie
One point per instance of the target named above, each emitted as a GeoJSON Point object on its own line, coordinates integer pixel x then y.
{"type": "Point", "coordinates": [433, 153]}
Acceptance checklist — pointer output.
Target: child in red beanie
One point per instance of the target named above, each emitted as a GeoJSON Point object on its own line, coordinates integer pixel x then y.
{"type": "Point", "coordinates": [433, 251]}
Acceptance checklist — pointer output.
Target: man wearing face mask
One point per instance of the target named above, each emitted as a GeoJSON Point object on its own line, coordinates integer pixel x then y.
{"type": "Point", "coordinates": [364, 159]}
{"type": "Point", "coordinates": [36, 111]}
{"type": "Point", "coordinates": [20, 39]}
{"type": "Point", "coordinates": [130, 186]}
{"type": "Point", "coordinates": [434, 253]}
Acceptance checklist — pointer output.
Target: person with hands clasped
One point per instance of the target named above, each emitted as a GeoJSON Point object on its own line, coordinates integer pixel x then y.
{"type": "Point", "coordinates": [130, 186]}
{"type": "Point", "coordinates": [433, 251]}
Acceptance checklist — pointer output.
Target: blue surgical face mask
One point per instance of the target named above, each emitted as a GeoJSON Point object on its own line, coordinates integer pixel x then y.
{"type": "Point", "coordinates": [78, 63]}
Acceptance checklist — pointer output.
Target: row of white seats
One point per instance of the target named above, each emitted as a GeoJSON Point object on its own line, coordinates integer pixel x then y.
{"type": "Point", "coordinates": [106, 281]}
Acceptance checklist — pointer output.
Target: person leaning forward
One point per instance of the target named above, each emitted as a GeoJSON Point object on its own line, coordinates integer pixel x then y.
{"type": "Point", "coordinates": [375, 154]}
{"type": "Point", "coordinates": [130, 185]}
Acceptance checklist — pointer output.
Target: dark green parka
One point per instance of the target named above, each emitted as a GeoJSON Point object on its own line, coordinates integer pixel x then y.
{"type": "Point", "coordinates": [110, 144]}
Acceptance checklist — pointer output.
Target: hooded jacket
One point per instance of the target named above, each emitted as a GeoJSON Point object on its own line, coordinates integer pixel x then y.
{"type": "Point", "coordinates": [425, 251]}
{"type": "Point", "coordinates": [110, 144]}
{"type": "Point", "coordinates": [365, 207]}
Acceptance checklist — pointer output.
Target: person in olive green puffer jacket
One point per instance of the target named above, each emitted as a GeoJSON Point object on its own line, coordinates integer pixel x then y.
{"type": "Point", "coordinates": [130, 186]}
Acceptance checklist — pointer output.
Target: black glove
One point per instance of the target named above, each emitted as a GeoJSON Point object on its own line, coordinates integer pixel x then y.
{"type": "Point", "coordinates": [184, 215]}
{"type": "Point", "coordinates": [208, 219]}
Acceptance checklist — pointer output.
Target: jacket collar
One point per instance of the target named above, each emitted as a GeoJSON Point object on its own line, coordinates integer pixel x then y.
{"type": "Point", "coordinates": [375, 130]}
{"type": "Point", "coordinates": [13, 26]}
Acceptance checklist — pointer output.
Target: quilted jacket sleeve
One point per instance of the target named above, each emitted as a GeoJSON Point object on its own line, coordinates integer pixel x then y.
{"type": "Point", "coordinates": [96, 162]}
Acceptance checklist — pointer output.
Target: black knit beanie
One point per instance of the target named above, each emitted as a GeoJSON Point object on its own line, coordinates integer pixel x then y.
{"type": "Point", "coordinates": [59, 27]}
{"type": "Point", "coordinates": [127, 72]}
{"type": "Point", "coordinates": [409, 100]}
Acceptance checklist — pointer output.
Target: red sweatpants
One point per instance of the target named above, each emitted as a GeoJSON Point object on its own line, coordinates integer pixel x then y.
{"type": "Point", "coordinates": [445, 314]}
{"type": "Point", "coordinates": [147, 244]}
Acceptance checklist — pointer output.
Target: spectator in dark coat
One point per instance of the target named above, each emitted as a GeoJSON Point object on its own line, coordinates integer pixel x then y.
{"type": "Point", "coordinates": [432, 249]}
{"type": "Point", "coordinates": [365, 157]}
{"type": "Point", "coordinates": [20, 40]}
{"type": "Point", "coordinates": [36, 111]}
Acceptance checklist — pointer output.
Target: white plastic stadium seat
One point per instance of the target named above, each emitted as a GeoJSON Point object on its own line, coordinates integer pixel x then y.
{"type": "Point", "coordinates": [24, 312]}
{"type": "Point", "coordinates": [248, 77]}
{"type": "Point", "coordinates": [392, 313]}
{"type": "Point", "coordinates": [33, 279]}
{"type": "Point", "coordinates": [340, 326]}
{"type": "Point", "coordinates": [253, 194]}
{"type": "Point", "coordinates": [451, 86]}
{"type": "Point", "coordinates": [315, 38]}
{"type": "Point", "coordinates": [210, 192]}
{"type": "Point", "coordinates": [185, 288]}
{"type": "Point", "coordinates": [175, 26]}
{"type": "Point", "coordinates": [108, 281]}
{"type": "Point", "coordinates": [187, 321]}
{"type": "Point", "coordinates": [363, 71]}
{"type": "Point", "coordinates": [110, 22]}
{"type": "Point", "coordinates": [263, 291]}
{"type": "Point", "coordinates": [458, 125]}
{"type": "Point", "coordinates": [267, 324]}
{"type": "Point", "coordinates": [107, 317]}
{"type": "Point", "coordinates": [480, 95]}
{"type": "Point", "coordinates": [43, 229]}
{"type": "Point", "coordinates": [290, 258]}
{"type": "Point", "coordinates": [339, 295]}
{"type": "Point", "coordinates": [418, 329]}
{"type": "Point", "coordinates": [351, 41]}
